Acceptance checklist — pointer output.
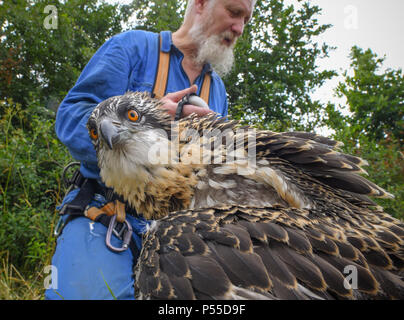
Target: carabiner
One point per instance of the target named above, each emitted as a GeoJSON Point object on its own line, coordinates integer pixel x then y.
{"type": "Point", "coordinates": [126, 230]}
{"type": "Point", "coordinates": [59, 227]}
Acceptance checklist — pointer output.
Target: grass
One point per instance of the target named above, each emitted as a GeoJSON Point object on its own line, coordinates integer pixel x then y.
{"type": "Point", "coordinates": [15, 286]}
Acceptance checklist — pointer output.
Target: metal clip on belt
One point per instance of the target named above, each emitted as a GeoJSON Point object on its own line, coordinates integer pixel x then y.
{"type": "Point", "coordinates": [125, 233]}
{"type": "Point", "coordinates": [113, 216]}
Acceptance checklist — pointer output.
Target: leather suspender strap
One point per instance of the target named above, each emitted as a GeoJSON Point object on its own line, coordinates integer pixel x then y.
{"type": "Point", "coordinates": [163, 65]}
{"type": "Point", "coordinates": [205, 90]}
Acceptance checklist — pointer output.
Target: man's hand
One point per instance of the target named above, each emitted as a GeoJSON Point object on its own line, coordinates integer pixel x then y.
{"type": "Point", "coordinates": [170, 103]}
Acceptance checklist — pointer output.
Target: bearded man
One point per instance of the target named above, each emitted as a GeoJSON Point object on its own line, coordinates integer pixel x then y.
{"type": "Point", "coordinates": [83, 266]}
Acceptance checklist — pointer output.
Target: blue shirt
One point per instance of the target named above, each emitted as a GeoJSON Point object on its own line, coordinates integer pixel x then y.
{"type": "Point", "coordinates": [126, 62]}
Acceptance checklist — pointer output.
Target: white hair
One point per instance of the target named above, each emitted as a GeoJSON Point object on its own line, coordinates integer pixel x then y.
{"type": "Point", "coordinates": [189, 8]}
{"type": "Point", "coordinates": [191, 4]}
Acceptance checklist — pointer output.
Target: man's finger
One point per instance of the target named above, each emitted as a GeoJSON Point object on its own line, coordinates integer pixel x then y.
{"type": "Point", "coordinates": [171, 108]}
{"type": "Point", "coordinates": [189, 109]}
{"type": "Point", "coordinates": [177, 96]}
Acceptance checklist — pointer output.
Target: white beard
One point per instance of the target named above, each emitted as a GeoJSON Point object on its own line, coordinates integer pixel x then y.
{"type": "Point", "coordinates": [213, 51]}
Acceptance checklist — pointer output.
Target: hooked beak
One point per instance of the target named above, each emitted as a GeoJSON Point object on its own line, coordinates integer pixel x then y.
{"type": "Point", "coordinates": [109, 132]}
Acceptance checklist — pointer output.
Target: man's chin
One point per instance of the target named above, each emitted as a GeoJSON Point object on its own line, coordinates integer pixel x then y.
{"type": "Point", "coordinates": [218, 52]}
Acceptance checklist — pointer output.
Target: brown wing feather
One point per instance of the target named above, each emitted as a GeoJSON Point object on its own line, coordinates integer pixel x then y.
{"type": "Point", "coordinates": [317, 174]}
{"type": "Point", "coordinates": [237, 252]}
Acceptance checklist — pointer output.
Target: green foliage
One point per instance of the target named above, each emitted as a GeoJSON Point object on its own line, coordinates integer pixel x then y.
{"type": "Point", "coordinates": [47, 62]}
{"type": "Point", "coordinates": [375, 99]}
{"type": "Point", "coordinates": [387, 170]}
{"type": "Point", "coordinates": [386, 167]}
{"type": "Point", "coordinates": [31, 162]}
{"type": "Point", "coordinates": [275, 71]}
{"type": "Point", "coordinates": [159, 15]}
{"type": "Point", "coordinates": [373, 128]}
{"type": "Point", "coordinates": [38, 66]}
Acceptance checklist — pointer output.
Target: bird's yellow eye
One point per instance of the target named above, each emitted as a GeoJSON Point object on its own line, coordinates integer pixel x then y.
{"type": "Point", "coordinates": [133, 115]}
{"type": "Point", "coordinates": [94, 134]}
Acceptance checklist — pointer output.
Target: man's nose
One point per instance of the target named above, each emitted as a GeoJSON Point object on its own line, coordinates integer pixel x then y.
{"type": "Point", "coordinates": [238, 27]}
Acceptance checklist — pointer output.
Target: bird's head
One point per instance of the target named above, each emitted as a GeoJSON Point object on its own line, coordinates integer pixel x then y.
{"type": "Point", "coordinates": [128, 124]}
{"type": "Point", "coordinates": [127, 131]}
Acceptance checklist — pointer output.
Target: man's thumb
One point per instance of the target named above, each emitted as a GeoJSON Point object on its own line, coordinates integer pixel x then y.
{"type": "Point", "coordinates": [177, 96]}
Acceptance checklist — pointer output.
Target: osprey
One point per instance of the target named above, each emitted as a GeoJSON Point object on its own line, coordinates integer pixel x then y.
{"type": "Point", "coordinates": [241, 213]}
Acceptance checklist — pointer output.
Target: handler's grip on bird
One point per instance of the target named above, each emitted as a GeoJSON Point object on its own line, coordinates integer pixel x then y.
{"type": "Point", "coordinates": [170, 103]}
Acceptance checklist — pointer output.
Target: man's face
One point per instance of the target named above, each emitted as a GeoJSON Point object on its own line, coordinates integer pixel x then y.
{"type": "Point", "coordinates": [222, 24]}
{"type": "Point", "coordinates": [227, 17]}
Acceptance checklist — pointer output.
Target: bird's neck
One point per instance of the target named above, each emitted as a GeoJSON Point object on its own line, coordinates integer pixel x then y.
{"type": "Point", "coordinates": [155, 191]}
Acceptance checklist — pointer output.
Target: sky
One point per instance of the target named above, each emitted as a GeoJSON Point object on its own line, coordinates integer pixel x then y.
{"type": "Point", "coordinates": [374, 24]}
